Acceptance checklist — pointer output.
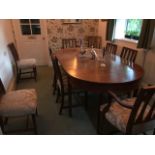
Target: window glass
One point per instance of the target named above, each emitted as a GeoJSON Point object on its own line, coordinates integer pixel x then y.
{"type": "Point", "coordinates": [35, 21]}
{"type": "Point", "coordinates": [24, 21]}
{"type": "Point", "coordinates": [133, 28]}
{"type": "Point", "coordinates": [30, 26]}
{"type": "Point", "coordinates": [25, 29]}
{"type": "Point", "coordinates": [35, 29]}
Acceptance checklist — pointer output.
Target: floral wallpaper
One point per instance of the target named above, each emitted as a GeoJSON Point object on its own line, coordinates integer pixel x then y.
{"type": "Point", "coordinates": [57, 30]}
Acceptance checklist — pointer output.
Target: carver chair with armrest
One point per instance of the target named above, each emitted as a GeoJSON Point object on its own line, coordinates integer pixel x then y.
{"type": "Point", "coordinates": [17, 103]}
{"type": "Point", "coordinates": [63, 90]}
{"type": "Point", "coordinates": [132, 115]}
{"type": "Point", "coordinates": [94, 41]}
{"type": "Point", "coordinates": [69, 43]}
{"type": "Point", "coordinates": [23, 66]}
{"type": "Point", "coordinates": [128, 54]}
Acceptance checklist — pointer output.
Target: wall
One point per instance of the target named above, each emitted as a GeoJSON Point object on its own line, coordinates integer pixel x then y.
{"type": "Point", "coordinates": [6, 36]}
{"type": "Point", "coordinates": [57, 30]}
{"type": "Point", "coordinates": [102, 26]}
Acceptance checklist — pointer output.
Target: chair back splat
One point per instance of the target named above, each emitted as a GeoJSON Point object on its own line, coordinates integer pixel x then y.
{"type": "Point", "coordinates": [111, 48]}
{"type": "Point", "coordinates": [95, 41]}
{"type": "Point", "coordinates": [132, 115]}
{"type": "Point", "coordinates": [69, 43]}
{"type": "Point", "coordinates": [13, 51]}
{"type": "Point", "coordinates": [144, 108]}
{"type": "Point", "coordinates": [59, 75]}
{"type": "Point", "coordinates": [129, 54]}
{"type": "Point", "coordinates": [54, 84]}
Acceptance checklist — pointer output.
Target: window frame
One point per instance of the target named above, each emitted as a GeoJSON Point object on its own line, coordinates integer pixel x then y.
{"type": "Point", "coordinates": [30, 23]}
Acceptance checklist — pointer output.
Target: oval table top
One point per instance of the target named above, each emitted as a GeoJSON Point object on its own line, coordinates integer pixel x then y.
{"type": "Point", "coordinates": [109, 70]}
{"type": "Point", "coordinates": [99, 75]}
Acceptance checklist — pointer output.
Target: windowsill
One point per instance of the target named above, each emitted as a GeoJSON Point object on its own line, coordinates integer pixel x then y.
{"type": "Point", "coordinates": [128, 40]}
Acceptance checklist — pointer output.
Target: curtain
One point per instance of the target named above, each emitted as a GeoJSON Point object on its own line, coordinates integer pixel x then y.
{"type": "Point", "coordinates": [145, 39]}
{"type": "Point", "coordinates": [110, 29]}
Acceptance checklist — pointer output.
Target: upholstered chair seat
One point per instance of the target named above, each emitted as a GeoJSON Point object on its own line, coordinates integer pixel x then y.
{"type": "Point", "coordinates": [18, 103]}
{"type": "Point", "coordinates": [26, 63]}
{"type": "Point", "coordinates": [119, 116]}
{"type": "Point", "coordinates": [26, 68]}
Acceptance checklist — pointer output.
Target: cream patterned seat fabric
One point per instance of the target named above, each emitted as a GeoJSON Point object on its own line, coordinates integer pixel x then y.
{"type": "Point", "coordinates": [18, 103]}
{"type": "Point", "coordinates": [26, 63]}
{"type": "Point", "coordinates": [118, 115]}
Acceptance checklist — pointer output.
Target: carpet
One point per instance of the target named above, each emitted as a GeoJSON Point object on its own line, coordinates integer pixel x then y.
{"type": "Point", "coordinates": [49, 122]}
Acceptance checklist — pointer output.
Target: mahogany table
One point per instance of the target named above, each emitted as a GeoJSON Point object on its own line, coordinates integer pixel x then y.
{"type": "Point", "coordinates": [101, 74]}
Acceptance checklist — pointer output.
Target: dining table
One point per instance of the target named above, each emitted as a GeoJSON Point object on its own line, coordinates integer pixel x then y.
{"type": "Point", "coordinates": [98, 74]}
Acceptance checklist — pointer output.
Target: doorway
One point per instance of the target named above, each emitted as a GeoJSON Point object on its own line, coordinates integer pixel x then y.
{"type": "Point", "coordinates": [31, 39]}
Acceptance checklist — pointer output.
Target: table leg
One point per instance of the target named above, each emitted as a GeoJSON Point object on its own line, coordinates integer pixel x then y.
{"type": "Point", "coordinates": [86, 99]}
{"type": "Point", "coordinates": [98, 113]}
{"type": "Point", "coordinates": [70, 97]}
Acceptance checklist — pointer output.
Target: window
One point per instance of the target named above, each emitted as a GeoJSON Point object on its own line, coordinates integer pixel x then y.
{"type": "Point", "coordinates": [30, 26]}
{"type": "Point", "coordinates": [133, 28]}
{"type": "Point", "coordinates": [128, 29]}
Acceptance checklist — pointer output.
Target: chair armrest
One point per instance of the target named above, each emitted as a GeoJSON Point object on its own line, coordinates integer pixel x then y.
{"type": "Point", "coordinates": [150, 84]}
{"type": "Point", "coordinates": [122, 103]}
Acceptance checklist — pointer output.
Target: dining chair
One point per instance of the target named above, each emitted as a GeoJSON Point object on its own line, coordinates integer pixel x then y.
{"type": "Point", "coordinates": [128, 54]}
{"type": "Point", "coordinates": [64, 90]}
{"type": "Point", "coordinates": [54, 84]}
{"type": "Point", "coordinates": [69, 43]}
{"type": "Point", "coordinates": [64, 75]}
{"type": "Point", "coordinates": [111, 48]}
{"type": "Point", "coordinates": [17, 103]}
{"type": "Point", "coordinates": [23, 66]}
{"type": "Point", "coordinates": [132, 115]}
{"type": "Point", "coordinates": [95, 41]}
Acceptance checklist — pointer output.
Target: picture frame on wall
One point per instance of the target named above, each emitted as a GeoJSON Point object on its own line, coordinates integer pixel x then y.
{"type": "Point", "coordinates": [71, 21]}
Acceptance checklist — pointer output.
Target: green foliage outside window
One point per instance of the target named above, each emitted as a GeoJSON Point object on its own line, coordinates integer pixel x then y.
{"type": "Point", "coordinates": [133, 28]}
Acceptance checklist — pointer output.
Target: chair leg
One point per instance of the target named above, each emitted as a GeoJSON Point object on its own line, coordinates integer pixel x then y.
{"type": "Point", "coordinates": [58, 95]}
{"type": "Point", "coordinates": [37, 112]}
{"type": "Point", "coordinates": [154, 132]}
{"type": "Point", "coordinates": [54, 90]}
{"type": "Point", "coordinates": [6, 120]}
{"type": "Point", "coordinates": [27, 122]}
{"type": "Point", "coordinates": [34, 123]}
{"type": "Point", "coordinates": [2, 125]}
{"type": "Point", "coordinates": [70, 103]}
{"type": "Point", "coordinates": [20, 72]}
{"type": "Point", "coordinates": [35, 73]}
{"type": "Point", "coordinates": [62, 105]}
{"type": "Point", "coordinates": [18, 76]}
{"type": "Point", "coordinates": [54, 84]}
